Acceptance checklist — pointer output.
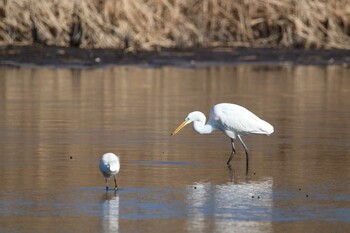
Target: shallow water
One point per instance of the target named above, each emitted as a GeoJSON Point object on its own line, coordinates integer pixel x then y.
{"type": "Point", "coordinates": [298, 178]}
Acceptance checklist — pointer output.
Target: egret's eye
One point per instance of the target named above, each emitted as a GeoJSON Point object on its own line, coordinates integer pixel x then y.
{"type": "Point", "coordinates": [187, 119]}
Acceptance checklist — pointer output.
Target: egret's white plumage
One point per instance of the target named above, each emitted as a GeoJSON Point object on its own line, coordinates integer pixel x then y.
{"type": "Point", "coordinates": [234, 120]}
{"type": "Point", "coordinates": [109, 166]}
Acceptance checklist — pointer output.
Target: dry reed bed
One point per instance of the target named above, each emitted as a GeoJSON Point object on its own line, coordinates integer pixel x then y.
{"type": "Point", "coordinates": [153, 24]}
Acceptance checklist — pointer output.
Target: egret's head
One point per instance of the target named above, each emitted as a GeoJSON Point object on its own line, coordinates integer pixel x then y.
{"type": "Point", "coordinates": [193, 116]}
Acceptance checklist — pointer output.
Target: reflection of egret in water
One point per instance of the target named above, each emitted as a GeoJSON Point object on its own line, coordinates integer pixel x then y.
{"type": "Point", "coordinates": [198, 201]}
{"type": "Point", "coordinates": [242, 206]}
{"type": "Point", "coordinates": [110, 212]}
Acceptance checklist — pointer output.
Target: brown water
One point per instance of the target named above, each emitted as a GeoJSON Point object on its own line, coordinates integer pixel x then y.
{"type": "Point", "coordinates": [299, 176]}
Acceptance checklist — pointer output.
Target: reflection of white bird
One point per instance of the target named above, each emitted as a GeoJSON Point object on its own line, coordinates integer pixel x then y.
{"type": "Point", "coordinates": [110, 212]}
{"type": "Point", "coordinates": [232, 119]}
{"type": "Point", "coordinates": [230, 201]}
{"type": "Point", "coordinates": [109, 166]}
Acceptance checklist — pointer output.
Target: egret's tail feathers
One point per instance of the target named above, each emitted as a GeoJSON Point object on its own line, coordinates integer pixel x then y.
{"type": "Point", "coordinates": [266, 128]}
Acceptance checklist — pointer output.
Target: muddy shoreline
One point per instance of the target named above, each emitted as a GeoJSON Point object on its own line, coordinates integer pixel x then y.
{"type": "Point", "coordinates": [19, 56]}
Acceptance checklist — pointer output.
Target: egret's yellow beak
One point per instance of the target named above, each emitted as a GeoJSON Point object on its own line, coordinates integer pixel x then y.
{"type": "Point", "coordinates": [180, 127]}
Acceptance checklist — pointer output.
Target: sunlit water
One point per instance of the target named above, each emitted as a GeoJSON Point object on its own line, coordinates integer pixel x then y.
{"type": "Point", "coordinates": [56, 123]}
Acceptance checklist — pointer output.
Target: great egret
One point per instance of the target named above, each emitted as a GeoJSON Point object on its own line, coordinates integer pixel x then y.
{"type": "Point", "coordinates": [109, 166]}
{"type": "Point", "coordinates": [232, 119]}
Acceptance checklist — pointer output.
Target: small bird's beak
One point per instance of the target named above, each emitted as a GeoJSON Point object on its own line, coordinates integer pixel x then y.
{"type": "Point", "coordinates": [180, 127]}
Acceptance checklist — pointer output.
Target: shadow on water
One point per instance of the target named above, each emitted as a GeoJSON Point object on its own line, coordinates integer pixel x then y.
{"type": "Point", "coordinates": [55, 124]}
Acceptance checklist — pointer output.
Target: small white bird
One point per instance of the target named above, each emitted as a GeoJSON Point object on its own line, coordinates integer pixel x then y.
{"type": "Point", "coordinates": [233, 120]}
{"type": "Point", "coordinates": [109, 166]}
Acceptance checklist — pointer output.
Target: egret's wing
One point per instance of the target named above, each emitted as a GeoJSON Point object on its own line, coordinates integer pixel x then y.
{"type": "Point", "coordinates": [114, 167]}
{"type": "Point", "coordinates": [239, 120]}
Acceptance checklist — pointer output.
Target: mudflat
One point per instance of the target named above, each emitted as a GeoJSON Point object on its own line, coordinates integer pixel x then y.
{"type": "Point", "coordinates": [89, 58]}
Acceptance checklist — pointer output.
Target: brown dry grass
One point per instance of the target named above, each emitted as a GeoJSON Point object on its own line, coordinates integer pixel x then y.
{"type": "Point", "coordinates": [153, 24]}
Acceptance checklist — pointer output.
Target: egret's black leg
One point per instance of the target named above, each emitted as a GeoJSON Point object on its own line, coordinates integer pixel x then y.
{"type": "Point", "coordinates": [232, 173]}
{"type": "Point", "coordinates": [246, 153]}
{"type": "Point", "coordinates": [115, 183]}
{"type": "Point", "coordinates": [106, 184]}
{"type": "Point", "coordinates": [232, 153]}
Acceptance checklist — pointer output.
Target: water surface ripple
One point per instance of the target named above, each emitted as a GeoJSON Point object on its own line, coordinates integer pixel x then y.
{"type": "Point", "coordinates": [55, 124]}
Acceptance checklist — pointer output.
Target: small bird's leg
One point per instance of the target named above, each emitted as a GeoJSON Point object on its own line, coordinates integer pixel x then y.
{"type": "Point", "coordinates": [106, 184]}
{"type": "Point", "coordinates": [246, 153]}
{"type": "Point", "coordinates": [115, 183]}
{"type": "Point", "coordinates": [232, 153]}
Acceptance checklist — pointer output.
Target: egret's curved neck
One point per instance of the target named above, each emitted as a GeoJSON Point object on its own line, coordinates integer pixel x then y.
{"type": "Point", "coordinates": [202, 128]}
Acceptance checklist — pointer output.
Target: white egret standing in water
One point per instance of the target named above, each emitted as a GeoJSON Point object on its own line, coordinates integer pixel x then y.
{"type": "Point", "coordinates": [109, 166]}
{"type": "Point", "coordinates": [234, 120]}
